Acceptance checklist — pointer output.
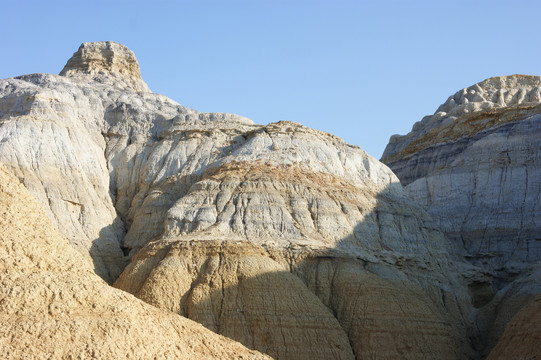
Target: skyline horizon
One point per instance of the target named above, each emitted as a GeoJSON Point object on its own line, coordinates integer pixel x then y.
{"type": "Point", "coordinates": [358, 70]}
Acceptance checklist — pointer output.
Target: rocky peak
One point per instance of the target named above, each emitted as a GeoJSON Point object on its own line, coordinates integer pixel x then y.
{"type": "Point", "coordinates": [106, 62]}
{"type": "Point", "coordinates": [499, 91]}
{"type": "Point", "coordinates": [496, 100]}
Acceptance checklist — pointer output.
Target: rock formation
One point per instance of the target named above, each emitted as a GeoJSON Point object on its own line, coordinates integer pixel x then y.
{"type": "Point", "coordinates": [53, 306]}
{"type": "Point", "coordinates": [237, 290]}
{"type": "Point", "coordinates": [106, 62]}
{"type": "Point", "coordinates": [482, 148]}
{"type": "Point", "coordinates": [522, 336]}
{"type": "Point", "coordinates": [284, 238]}
{"type": "Point", "coordinates": [475, 166]}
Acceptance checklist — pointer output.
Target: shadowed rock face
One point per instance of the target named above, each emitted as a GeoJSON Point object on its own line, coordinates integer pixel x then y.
{"type": "Point", "coordinates": [293, 305]}
{"type": "Point", "coordinates": [237, 290]}
{"type": "Point", "coordinates": [522, 336]}
{"type": "Point", "coordinates": [256, 192]}
{"type": "Point", "coordinates": [279, 236]}
{"type": "Point", "coordinates": [475, 166]}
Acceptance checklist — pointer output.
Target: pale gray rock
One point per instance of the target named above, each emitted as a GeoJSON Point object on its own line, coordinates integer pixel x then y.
{"type": "Point", "coordinates": [479, 176]}
{"type": "Point", "coordinates": [62, 135]}
{"type": "Point", "coordinates": [493, 94]}
{"type": "Point", "coordinates": [124, 173]}
{"type": "Point", "coordinates": [487, 197]}
{"type": "Point", "coordinates": [475, 166]}
{"type": "Point", "coordinates": [51, 140]}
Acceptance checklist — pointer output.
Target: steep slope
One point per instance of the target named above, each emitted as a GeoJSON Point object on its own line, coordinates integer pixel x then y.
{"type": "Point", "coordinates": [61, 136]}
{"type": "Point", "coordinates": [237, 290]}
{"type": "Point", "coordinates": [522, 336]}
{"type": "Point", "coordinates": [52, 305]}
{"type": "Point", "coordinates": [282, 237]}
{"type": "Point", "coordinates": [482, 148]}
{"type": "Point", "coordinates": [475, 166]}
{"type": "Point", "coordinates": [494, 317]}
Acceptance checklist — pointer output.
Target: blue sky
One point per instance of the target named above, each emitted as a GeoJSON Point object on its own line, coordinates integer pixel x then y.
{"type": "Point", "coordinates": [362, 70]}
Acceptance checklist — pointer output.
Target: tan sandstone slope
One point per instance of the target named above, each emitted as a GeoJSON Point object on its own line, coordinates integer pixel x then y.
{"type": "Point", "coordinates": [522, 336]}
{"type": "Point", "coordinates": [475, 166]}
{"type": "Point", "coordinates": [240, 279]}
{"type": "Point", "coordinates": [282, 237]}
{"type": "Point", "coordinates": [53, 306]}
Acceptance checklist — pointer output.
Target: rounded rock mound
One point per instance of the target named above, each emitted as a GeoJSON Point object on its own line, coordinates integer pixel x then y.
{"type": "Point", "coordinates": [479, 107]}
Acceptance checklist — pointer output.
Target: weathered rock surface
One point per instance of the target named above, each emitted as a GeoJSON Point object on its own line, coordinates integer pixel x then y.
{"type": "Point", "coordinates": [282, 237]}
{"type": "Point", "coordinates": [385, 318]}
{"type": "Point", "coordinates": [248, 293]}
{"type": "Point", "coordinates": [475, 166]}
{"type": "Point", "coordinates": [53, 306]}
{"type": "Point", "coordinates": [293, 213]}
{"type": "Point", "coordinates": [522, 336]}
{"type": "Point", "coordinates": [494, 317]}
{"type": "Point", "coordinates": [67, 139]}
{"type": "Point", "coordinates": [106, 62]}
{"type": "Point", "coordinates": [481, 106]}
{"type": "Point", "coordinates": [237, 290]}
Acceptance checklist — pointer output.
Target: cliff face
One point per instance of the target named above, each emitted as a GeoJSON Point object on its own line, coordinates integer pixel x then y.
{"type": "Point", "coordinates": [53, 305]}
{"type": "Point", "coordinates": [475, 166]}
{"type": "Point", "coordinates": [279, 236]}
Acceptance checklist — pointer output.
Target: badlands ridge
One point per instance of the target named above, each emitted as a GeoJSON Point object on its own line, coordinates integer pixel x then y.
{"type": "Point", "coordinates": [279, 240]}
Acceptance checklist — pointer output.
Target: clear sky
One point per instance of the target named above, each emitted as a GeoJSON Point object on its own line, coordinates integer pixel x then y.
{"type": "Point", "coordinates": [362, 70]}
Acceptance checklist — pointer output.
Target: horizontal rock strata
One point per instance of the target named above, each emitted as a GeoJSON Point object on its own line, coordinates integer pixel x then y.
{"type": "Point", "coordinates": [248, 292]}
{"type": "Point", "coordinates": [282, 237]}
{"type": "Point", "coordinates": [290, 214]}
{"type": "Point", "coordinates": [52, 305]}
{"type": "Point", "coordinates": [235, 289]}
{"type": "Point", "coordinates": [522, 336]}
{"type": "Point", "coordinates": [475, 166]}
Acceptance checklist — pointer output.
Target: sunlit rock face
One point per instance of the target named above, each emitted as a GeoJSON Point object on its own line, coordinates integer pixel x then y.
{"type": "Point", "coordinates": [55, 307]}
{"type": "Point", "coordinates": [64, 135]}
{"type": "Point", "coordinates": [106, 62]}
{"type": "Point", "coordinates": [475, 166]}
{"type": "Point", "coordinates": [297, 195]}
{"type": "Point", "coordinates": [282, 237]}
